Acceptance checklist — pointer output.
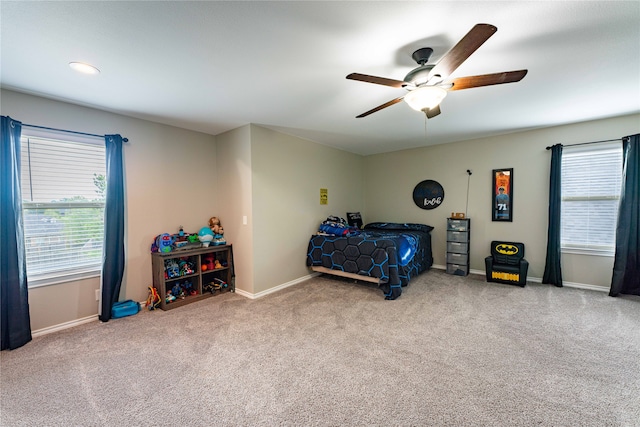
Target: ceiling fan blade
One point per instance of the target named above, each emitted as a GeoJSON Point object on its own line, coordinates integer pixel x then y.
{"type": "Point", "coordinates": [433, 112]}
{"type": "Point", "coordinates": [377, 80]}
{"type": "Point", "coordinates": [479, 34]}
{"type": "Point", "coordinates": [487, 79]}
{"type": "Point", "coordinates": [380, 107]}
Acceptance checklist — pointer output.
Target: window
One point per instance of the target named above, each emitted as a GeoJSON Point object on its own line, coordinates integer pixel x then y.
{"type": "Point", "coordinates": [591, 182]}
{"type": "Point", "coordinates": [63, 197]}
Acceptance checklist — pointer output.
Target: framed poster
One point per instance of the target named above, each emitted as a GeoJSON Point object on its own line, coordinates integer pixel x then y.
{"type": "Point", "coordinates": [502, 195]}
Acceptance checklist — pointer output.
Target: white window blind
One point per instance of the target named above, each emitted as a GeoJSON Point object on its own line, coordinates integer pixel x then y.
{"type": "Point", "coordinates": [63, 190]}
{"type": "Point", "coordinates": [591, 182]}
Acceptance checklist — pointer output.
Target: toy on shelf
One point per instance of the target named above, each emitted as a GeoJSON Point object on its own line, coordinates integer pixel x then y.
{"type": "Point", "coordinates": [211, 287]}
{"type": "Point", "coordinates": [171, 269]}
{"type": "Point", "coordinates": [215, 285]}
{"type": "Point", "coordinates": [188, 289]}
{"type": "Point", "coordinates": [205, 235]}
{"type": "Point", "coordinates": [208, 262]}
{"type": "Point", "coordinates": [214, 225]}
{"type": "Point", "coordinates": [217, 230]}
{"type": "Point", "coordinates": [186, 267]}
{"type": "Point", "coordinates": [217, 264]}
{"type": "Point", "coordinates": [170, 297]}
{"type": "Point", "coordinates": [177, 291]}
{"type": "Point", "coordinates": [153, 300]}
{"type": "Point", "coordinates": [179, 244]}
{"type": "Point", "coordinates": [162, 243]}
{"type": "Point", "coordinates": [221, 283]}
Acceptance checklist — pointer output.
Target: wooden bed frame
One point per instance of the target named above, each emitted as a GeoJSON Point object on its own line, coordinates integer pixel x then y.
{"type": "Point", "coordinates": [345, 274]}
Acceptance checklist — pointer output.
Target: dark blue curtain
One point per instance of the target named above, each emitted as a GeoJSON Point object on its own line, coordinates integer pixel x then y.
{"type": "Point", "coordinates": [113, 262]}
{"type": "Point", "coordinates": [626, 266]}
{"type": "Point", "coordinates": [552, 271]}
{"type": "Point", "coordinates": [15, 323]}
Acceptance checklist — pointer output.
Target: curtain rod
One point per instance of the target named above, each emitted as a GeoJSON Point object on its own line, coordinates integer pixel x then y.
{"type": "Point", "coordinates": [70, 131]}
{"type": "Point", "coordinates": [592, 142]}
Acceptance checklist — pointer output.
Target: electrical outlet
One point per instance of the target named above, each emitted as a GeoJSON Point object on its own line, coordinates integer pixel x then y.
{"type": "Point", "coordinates": [97, 294]}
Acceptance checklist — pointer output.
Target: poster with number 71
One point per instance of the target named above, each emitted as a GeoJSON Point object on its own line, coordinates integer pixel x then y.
{"type": "Point", "coordinates": [502, 195]}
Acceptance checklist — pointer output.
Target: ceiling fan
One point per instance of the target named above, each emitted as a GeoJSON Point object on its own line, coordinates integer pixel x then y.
{"type": "Point", "coordinates": [427, 85]}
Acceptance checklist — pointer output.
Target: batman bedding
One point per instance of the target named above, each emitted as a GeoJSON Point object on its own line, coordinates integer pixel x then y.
{"type": "Point", "coordinates": [394, 253]}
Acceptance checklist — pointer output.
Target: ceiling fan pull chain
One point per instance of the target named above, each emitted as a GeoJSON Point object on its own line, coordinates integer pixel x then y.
{"type": "Point", "coordinates": [425, 127]}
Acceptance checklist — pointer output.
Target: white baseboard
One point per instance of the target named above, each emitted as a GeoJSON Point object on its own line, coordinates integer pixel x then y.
{"type": "Point", "coordinates": [585, 286]}
{"type": "Point", "coordinates": [62, 326]}
{"type": "Point", "coordinates": [539, 280]}
{"type": "Point", "coordinates": [71, 324]}
{"type": "Point", "coordinates": [276, 288]}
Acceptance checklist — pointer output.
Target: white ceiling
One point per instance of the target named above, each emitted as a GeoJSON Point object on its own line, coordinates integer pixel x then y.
{"type": "Point", "coordinates": [214, 66]}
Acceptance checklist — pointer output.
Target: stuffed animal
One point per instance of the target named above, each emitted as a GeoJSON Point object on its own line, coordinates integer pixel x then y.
{"type": "Point", "coordinates": [163, 243]}
{"type": "Point", "coordinates": [214, 224]}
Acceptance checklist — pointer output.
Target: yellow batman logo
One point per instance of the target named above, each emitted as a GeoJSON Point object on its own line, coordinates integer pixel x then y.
{"type": "Point", "coordinates": [507, 249]}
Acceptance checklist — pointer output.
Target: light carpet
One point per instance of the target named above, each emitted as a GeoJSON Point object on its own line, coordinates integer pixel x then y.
{"type": "Point", "coordinates": [451, 351]}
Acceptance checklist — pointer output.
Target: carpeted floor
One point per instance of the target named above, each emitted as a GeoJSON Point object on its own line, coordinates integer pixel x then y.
{"type": "Point", "coordinates": [451, 351]}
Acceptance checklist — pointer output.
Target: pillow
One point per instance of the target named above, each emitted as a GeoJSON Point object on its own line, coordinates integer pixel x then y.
{"type": "Point", "coordinates": [354, 219]}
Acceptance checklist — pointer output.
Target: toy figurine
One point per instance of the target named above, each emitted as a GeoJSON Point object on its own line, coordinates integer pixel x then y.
{"type": "Point", "coordinates": [177, 291]}
{"type": "Point", "coordinates": [171, 268]}
{"type": "Point", "coordinates": [217, 230]}
{"type": "Point", "coordinates": [188, 288]}
{"type": "Point", "coordinates": [186, 268]}
{"type": "Point", "coordinates": [170, 297]}
{"type": "Point", "coordinates": [164, 242]}
{"type": "Point", "coordinates": [214, 225]}
{"type": "Point", "coordinates": [153, 300]}
{"type": "Point", "coordinates": [220, 283]}
{"type": "Point", "coordinates": [205, 236]}
{"type": "Point", "coordinates": [211, 287]}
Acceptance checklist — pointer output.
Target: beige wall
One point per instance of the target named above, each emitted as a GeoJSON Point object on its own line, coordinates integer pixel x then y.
{"type": "Point", "coordinates": [287, 174]}
{"type": "Point", "coordinates": [235, 189]}
{"type": "Point", "coordinates": [170, 181]}
{"type": "Point", "coordinates": [390, 179]}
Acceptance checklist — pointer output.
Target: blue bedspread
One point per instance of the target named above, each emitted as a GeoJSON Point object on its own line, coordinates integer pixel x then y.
{"type": "Point", "coordinates": [390, 252]}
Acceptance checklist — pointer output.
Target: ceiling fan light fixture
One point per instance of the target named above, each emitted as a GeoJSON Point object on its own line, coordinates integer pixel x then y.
{"type": "Point", "coordinates": [425, 97]}
{"type": "Point", "coordinates": [84, 68]}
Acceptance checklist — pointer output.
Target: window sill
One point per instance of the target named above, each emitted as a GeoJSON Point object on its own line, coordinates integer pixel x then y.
{"type": "Point", "coordinates": [59, 279]}
{"type": "Point", "coordinates": [591, 252]}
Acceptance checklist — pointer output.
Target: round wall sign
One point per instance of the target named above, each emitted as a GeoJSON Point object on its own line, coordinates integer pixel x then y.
{"type": "Point", "coordinates": [428, 194]}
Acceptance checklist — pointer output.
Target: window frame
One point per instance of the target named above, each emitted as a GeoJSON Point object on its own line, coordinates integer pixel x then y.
{"type": "Point", "coordinates": [581, 248]}
{"type": "Point", "coordinates": [69, 274]}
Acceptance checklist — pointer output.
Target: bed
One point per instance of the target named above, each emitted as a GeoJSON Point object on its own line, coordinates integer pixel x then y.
{"type": "Point", "coordinates": [385, 253]}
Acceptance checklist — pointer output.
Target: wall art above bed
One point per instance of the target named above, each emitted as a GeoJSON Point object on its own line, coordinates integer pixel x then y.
{"type": "Point", "coordinates": [428, 194]}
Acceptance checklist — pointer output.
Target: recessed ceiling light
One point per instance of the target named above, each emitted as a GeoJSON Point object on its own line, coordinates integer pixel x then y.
{"type": "Point", "coordinates": [84, 68]}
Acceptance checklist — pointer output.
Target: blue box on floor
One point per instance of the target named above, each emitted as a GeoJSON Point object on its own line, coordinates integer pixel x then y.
{"type": "Point", "coordinates": [124, 308]}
